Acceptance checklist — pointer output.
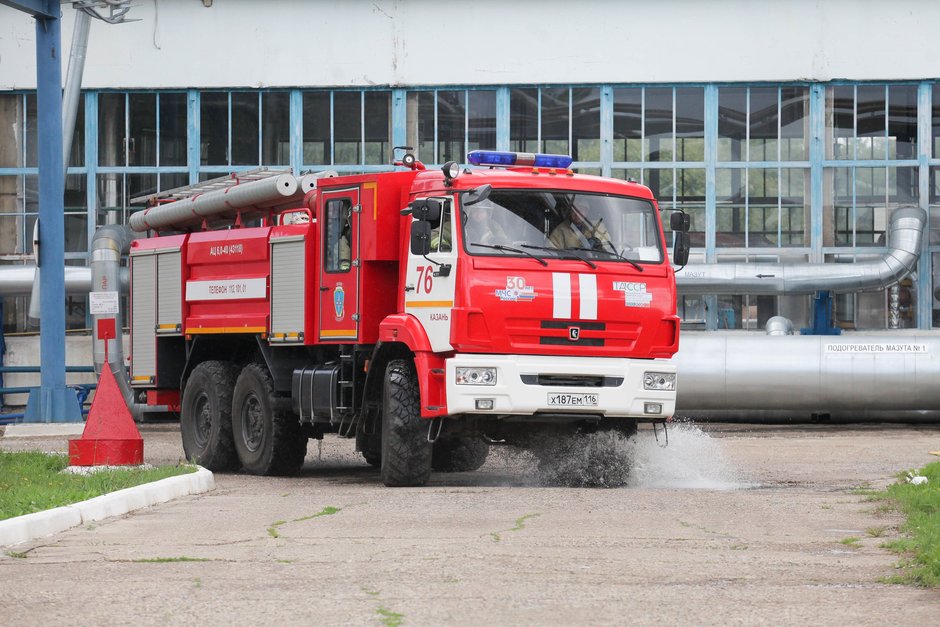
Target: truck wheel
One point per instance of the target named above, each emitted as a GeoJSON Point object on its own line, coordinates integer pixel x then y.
{"type": "Point", "coordinates": [406, 452]}
{"type": "Point", "coordinates": [459, 454]}
{"type": "Point", "coordinates": [268, 437]}
{"type": "Point", "coordinates": [206, 416]}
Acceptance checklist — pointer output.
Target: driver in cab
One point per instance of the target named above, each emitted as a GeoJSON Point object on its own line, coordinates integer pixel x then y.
{"type": "Point", "coordinates": [579, 231]}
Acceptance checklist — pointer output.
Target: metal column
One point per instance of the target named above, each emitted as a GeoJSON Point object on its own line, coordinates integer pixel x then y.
{"type": "Point", "coordinates": [54, 402]}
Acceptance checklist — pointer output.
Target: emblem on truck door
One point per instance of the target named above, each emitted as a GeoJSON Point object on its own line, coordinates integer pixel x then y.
{"type": "Point", "coordinates": [339, 301]}
{"type": "Point", "coordinates": [574, 333]}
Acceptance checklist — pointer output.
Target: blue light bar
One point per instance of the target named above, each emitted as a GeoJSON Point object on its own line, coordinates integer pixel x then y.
{"type": "Point", "coordinates": [537, 160]}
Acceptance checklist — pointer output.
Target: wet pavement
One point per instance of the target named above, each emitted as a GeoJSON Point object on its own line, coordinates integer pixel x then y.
{"type": "Point", "coordinates": [729, 524]}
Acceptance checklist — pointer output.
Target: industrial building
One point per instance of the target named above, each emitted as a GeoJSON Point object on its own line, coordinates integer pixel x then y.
{"type": "Point", "coordinates": [790, 132]}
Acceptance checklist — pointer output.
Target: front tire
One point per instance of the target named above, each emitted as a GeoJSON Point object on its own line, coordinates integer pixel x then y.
{"type": "Point", "coordinates": [406, 452]}
{"type": "Point", "coordinates": [268, 436]}
{"type": "Point", "coordinates": [206, 416]}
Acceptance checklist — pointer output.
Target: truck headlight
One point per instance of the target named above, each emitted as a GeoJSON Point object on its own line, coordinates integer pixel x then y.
{"type": "Point", "coordinates": [476, 376]}
{"type": "Point", "coordinates": [659, 380]}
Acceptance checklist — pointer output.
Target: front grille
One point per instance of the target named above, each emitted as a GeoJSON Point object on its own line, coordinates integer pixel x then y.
{"type": "Point", "coordinates": [600, 337]}
{"type": "Point", "coordinates": [564, 324]}
{"type": "Point", "coordinates": [572, 380]}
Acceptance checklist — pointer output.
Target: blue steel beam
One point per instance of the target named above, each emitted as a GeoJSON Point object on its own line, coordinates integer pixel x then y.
{"type": "Point", "coordinates": [36, 8]}
{"type": "Point", "coordinates": [56, 402]}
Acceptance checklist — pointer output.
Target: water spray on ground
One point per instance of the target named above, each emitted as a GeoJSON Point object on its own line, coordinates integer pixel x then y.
{"type": "Point", "coordinates": [692, 460]}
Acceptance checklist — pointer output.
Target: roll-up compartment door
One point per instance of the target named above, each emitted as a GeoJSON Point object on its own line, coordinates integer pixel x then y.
{"type": "Point", "coordinates": [143, 319]}
{"type": "Point", "coordinates": [169, 293]}
{"type": "Point", "coordinates": [288, 289]}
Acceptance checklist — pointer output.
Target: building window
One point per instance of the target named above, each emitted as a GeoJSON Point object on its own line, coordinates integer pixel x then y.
{"type": "Point", "coordinates": [871, 122]}
{"type": "Point", "coordinates": [444, 125]}
{"type": "Point", "coordinates": [349, 129]}
{"type": "Point", "coordinates": [659, 141]}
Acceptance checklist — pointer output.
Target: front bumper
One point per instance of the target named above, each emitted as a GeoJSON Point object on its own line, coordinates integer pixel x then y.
{"type": "Point", "coordinates": [525, 383]}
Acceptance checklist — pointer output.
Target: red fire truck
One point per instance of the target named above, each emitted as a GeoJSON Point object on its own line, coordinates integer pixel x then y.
{"type": "Point", "coordinates": [425, 313]}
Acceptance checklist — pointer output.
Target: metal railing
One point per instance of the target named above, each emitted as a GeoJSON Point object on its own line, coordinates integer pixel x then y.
{"type": "Point", "coordinates": [81, 389]}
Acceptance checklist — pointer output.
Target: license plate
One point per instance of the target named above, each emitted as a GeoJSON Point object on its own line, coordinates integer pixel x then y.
{"type": "Point", "coordinates": [572, 400]}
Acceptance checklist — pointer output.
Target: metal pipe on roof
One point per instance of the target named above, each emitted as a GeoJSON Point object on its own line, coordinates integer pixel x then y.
{"type": "Point", "coordinates": [224, 199]}
{"type": "Point", "coordinates": [217, 205]}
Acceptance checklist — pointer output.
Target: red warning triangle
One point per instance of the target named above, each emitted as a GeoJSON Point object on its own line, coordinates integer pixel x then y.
{"type": "Point", "coordinates": [109, 418]}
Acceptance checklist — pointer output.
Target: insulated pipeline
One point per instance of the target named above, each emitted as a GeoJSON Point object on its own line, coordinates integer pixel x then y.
{"type": "Point", "coordinates": [903, 238]}
{"type": "Point", "coordinates": [735, 371]}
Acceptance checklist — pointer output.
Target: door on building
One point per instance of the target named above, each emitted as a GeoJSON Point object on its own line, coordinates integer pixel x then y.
{"type": "Point", "coordinates": [339, 267]}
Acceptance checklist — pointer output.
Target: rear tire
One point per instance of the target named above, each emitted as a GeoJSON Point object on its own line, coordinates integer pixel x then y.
{"type": "Point", "coordinates": [406, 452]}
{"type": "Point", "coordinates": [459, 454]}
{"type": "Point", "coordinates": [268, 436]}
{"type": "Point", "coordinates": [206, 416]}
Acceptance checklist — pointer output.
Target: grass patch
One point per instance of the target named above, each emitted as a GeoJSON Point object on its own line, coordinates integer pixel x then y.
{"type": "Point", "coordinates": [876, 532]}
{"type": "Point", "coordinates": [326, 511]}
{"type": "Point", "coordinates": [389, 618]}
{"type": "Point", "coordinates": [329, 510]}
{"type": "Point", "coordinates": [851, 541]}
{"type": "Point", "coordinates": [920, 547]}
{"type": "Point", "coordinates": [32, 482]}
{"type": "Point", "coordinates": [520, 524]}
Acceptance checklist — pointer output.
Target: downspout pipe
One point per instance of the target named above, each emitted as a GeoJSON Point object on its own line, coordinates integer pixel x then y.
{"type": "Point", "coordinates": [904, 236]}
{"type": "Point", "coordinates": [108, 246]}
{"type": "Point", "coordinates": [73, 82]}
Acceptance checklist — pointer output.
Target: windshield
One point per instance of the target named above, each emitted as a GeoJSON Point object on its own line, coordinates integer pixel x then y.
{"type": "Point", "coordinates": [593, 226]}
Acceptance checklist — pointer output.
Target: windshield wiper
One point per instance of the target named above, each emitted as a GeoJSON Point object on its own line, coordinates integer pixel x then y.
{"type": "Point", "coordinates": [561, 254]}
{"type": "Point", "coordinates": [510, 249]}
{"type": "Point", "coordinates": [612, 253]}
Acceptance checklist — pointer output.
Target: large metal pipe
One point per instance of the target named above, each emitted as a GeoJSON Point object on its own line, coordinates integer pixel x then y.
{"type": "Point", "coordinates": [108, 246]}
{"type": "Point", "coordinates": [728, 374]}
{"type": "Point", "coordinates": [904, 240]}
{"type": "Point", "coordinates": [18, 280]}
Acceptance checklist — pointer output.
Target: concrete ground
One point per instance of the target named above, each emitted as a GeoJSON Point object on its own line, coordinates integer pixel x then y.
{"type": "Point", "coordinates": [731, 524]}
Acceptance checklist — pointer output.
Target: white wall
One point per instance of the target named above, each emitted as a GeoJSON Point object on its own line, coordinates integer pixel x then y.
{"type": "Point", "coordinates": [234, 43]}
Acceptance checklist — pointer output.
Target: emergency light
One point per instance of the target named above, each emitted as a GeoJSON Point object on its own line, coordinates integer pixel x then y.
{"type": "Point", "coordinates": [537, 160]}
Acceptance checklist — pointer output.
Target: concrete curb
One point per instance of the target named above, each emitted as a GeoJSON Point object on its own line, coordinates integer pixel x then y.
{"type": "Point", "coordinates": [42, 429]}
{"type": "Point", "coordinates": [31, 526]}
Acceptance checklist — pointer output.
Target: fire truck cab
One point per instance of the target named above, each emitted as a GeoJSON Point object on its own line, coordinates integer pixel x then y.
{"type": "Point", "coordinates": [424, 313]}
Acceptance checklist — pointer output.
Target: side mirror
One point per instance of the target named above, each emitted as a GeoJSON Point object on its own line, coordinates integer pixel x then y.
{"type": "Point", "coordinates": [421, 237]}
{"type": "Point", "coordinates": [477, 194]}
{"type": "Point", "coordinates": [680, 221]}
{"type": "Point", "coordinates": [426, 209]}
{"type": "Point", "coordinates": [680, 251]}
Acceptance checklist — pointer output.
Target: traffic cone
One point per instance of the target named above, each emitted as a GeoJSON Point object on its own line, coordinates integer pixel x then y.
{"type": "Point", "coordinates": [110, 437]}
